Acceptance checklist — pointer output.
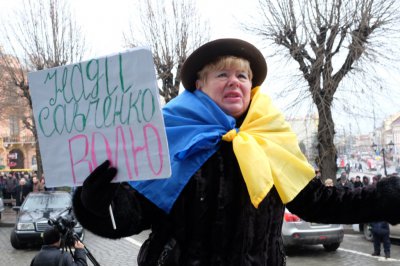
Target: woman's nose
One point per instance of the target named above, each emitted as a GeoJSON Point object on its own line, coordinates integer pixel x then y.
{"type": "Point", "coordinates": [233, 81]}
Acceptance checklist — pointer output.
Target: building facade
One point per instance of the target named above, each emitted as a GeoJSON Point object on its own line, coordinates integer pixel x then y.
{"type": "Point", "coordinates": [356, 146]}
{"type": "Point", "coordinates": [17, 144]}
{"type": "Point", "coordinates": [389, 133]}
{"type": "Point", "coordinates": [306, 129]}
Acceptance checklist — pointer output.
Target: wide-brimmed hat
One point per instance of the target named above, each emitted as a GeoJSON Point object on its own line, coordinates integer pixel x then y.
{"type": "Point", "coordinates": [210, 51]}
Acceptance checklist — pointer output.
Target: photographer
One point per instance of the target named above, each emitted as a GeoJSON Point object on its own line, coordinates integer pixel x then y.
{"type": "Point", "coordinates": [51, 255]}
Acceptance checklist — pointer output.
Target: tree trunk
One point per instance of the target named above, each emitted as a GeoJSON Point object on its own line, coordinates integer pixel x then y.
{"type": "Point", "coordinates": [33, 129]}
{"type": "Point", "coordinates": [326, 149]}
{"type": "Point", "coordinates": [38, 159]}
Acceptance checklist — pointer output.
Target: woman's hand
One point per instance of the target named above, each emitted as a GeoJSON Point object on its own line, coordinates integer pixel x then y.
{"type": "Point", "coordinates": [97, 190]}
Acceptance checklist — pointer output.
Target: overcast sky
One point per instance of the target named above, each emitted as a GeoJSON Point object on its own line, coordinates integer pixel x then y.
{"type": "Point", "coordinates": [104, 22]}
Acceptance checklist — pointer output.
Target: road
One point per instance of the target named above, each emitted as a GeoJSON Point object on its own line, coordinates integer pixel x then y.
{"type": "Point", "coordinates": [353, 251]}
{"type": "Point", "coordinates": [370, 173]}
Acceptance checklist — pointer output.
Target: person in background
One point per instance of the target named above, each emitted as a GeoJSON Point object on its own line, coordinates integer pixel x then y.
{"type": "Point", "coordinates": [381, 235]}
{"type": "Point", "coordinates": [343, 182]}
{"type": "Point", "coordinates": [365, 181]}
{"type": "Point", "coordinates": [51, 255]}
{"type": "Point", "coordinates": [236, 166]}
{"type": "Point", "coordinates": [380, 230]}
{"type": "Point", "coordinates": [2, 185]}
{"type": "Point", "coordinates": [21, 191]}
{"type": "Point", "coordinates": [329, 182]}
{"type": "Point", "coordinates": [10, 185]}
{"type": "Point", "coordinates": [43, 182]}
{"type": "Point", "coordinates": [37, 186]}
{"type": "Point", "coordinates": [356, 166]}
{"type": "Point", "coordinates": [375, 179]}
{"type": "Point", "coordinates": [357, 183]}
{"type": "Point", "coordinates": [347, 168]}
{"type": "Point", "coordinates": [360, 168]}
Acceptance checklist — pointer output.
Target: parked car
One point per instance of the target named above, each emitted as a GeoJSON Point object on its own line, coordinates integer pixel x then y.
{"type": "Point", "coordinates": [34, 214]}
{"type": "Point", "coordinates": [1, 206]}
{"type": "Point", "coordinates": [297, 232]}
{"type": "Point", "coordinates": [366, 231]}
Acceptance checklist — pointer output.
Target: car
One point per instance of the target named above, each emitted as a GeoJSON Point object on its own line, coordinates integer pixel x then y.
{"type": "Point", "coordinates": [1, 206]}
{"type": "Point", "coordinates": [36, 211]}
{"type": "Point", "coordinates": [297, 232]}
{"type": "Point", "coordinates": [366, 231]}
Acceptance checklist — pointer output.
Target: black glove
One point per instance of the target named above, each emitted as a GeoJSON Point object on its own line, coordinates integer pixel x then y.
{"type": "Point", "coordinates": [97, 190]}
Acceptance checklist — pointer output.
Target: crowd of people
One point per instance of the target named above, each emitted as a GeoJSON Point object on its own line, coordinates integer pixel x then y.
{"type": "Point", "coordinates": [355, 181]}
{"type": "Point", "coordinates": [17, 185]}
{"type": "Point", "coordinates": [380, 230]}
{"type": "Point", "coordinates": [352, 182]}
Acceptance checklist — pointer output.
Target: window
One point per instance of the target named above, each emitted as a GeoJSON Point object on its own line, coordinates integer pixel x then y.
{"type": "Point", "coordinates": [14, 126]}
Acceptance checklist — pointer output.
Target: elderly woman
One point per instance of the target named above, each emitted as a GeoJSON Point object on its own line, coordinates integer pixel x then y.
{"type": "Point", "coordinates": [235, 166]}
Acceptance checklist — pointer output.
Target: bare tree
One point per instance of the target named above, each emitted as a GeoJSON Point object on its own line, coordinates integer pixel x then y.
{"type": "Point", "coordinates": [329, 40]}
{"type": "Point", "coordinates": [42, 34]}
{"type": "Point", "coordinates": [172, 28]}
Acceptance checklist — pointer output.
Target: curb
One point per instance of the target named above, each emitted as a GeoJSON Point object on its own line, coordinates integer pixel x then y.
{"type": "Point", "coordinates": [6, 224]}
{"type": "Point", "coordinates": [8, 218]}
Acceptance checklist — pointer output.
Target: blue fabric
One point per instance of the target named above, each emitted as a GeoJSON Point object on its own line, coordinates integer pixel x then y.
{"type": "Point", "coordinates": [194, 126]}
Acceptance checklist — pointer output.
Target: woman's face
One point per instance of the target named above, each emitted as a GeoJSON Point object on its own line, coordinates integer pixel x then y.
{"type": "Point", "coordinates": [229, 88]}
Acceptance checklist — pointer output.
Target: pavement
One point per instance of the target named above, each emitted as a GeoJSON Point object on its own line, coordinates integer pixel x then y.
{"type": "Point", "coordinates": [8, 217]}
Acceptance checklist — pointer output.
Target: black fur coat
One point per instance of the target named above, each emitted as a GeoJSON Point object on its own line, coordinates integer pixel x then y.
{"type": "Point", "coordinates": [214, 223]}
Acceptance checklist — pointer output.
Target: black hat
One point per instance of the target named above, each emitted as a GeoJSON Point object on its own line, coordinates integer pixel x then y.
{"type": "Point", "coordinates": [51, 236]}
{"type": "Point", "coordinates": [210, 51]}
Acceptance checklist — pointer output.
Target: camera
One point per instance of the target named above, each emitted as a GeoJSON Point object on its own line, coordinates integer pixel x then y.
{"type": "Point", "coordinates": [65, 225]}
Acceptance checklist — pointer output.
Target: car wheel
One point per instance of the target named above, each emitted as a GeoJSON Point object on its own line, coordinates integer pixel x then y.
{"type": "Point", "coordinates": [14, 241]}
{"type": "Point", "coordinates": [367, 232]}
{"type": "Point", "coordinates": [331, 247]}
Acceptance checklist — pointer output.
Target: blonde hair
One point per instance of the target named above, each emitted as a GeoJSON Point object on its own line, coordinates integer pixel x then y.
{"type": "Point", "coordinates": [224, 62]}
{"type": "Point", "coordinates": [329, 182]}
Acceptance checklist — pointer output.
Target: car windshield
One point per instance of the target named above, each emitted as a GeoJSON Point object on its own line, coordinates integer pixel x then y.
{"type": "Point", "coordinates": [46, 201]}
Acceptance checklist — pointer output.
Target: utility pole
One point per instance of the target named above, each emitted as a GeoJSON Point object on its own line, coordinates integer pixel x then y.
{"type": "Point", "coordinates": [374, 117]}
{"type": "Point", "coordinates": [350, 140]}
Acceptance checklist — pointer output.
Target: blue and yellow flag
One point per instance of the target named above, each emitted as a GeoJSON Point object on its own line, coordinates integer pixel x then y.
{"type": "Point", "coordinates": [265, 147]}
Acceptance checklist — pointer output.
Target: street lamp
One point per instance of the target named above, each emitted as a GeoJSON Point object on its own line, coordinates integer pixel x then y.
{"type": "Point", "coordinates": [375, 148]}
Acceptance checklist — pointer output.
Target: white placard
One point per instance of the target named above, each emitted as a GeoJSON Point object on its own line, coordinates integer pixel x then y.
{"type": "Point", "coordinates": [104, 108]}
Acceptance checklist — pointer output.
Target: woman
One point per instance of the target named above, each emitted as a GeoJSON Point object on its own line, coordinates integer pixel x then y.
{"type": "Point", "coordinates": [235, 165]}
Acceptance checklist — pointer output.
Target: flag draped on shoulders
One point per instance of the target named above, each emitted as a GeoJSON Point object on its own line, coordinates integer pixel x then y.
{"type": "Point", "coordinates": [265, 147]}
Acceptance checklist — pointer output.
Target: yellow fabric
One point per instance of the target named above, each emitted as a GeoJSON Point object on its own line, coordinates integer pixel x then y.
{"type": "Point", "coordinates": [268, 152]}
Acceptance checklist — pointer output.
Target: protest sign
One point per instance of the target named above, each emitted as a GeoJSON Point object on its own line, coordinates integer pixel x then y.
{"type": "Point", "coordinates": [104, 108]}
